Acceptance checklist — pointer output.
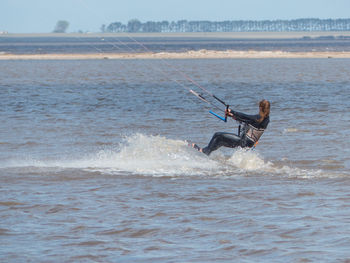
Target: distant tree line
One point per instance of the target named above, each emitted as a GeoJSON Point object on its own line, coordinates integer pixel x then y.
{"type": "Point", "coordinates": [307, 24]}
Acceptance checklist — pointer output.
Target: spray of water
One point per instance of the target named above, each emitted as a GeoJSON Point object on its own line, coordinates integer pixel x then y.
{"type": "Point", "coordinates": [147, 155]}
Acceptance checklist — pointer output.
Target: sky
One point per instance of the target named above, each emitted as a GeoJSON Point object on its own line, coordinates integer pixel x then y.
{"type": "Point", "coordinates": [41, 16]}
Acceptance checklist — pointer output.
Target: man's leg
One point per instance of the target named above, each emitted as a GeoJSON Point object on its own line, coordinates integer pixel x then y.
{"type": "Point", "coordinates": [222, 139]}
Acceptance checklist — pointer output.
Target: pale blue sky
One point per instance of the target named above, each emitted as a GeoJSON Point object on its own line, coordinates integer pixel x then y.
{"type": "Point", "coordinates": [40, 16]}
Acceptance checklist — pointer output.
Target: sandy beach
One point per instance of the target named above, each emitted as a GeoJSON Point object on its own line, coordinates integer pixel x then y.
{"type": "Point", "coordinates": [200, 54]}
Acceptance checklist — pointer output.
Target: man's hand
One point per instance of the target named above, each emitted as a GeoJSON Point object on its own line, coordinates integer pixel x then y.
{"type": "Point", "coordinates": [229, 113]}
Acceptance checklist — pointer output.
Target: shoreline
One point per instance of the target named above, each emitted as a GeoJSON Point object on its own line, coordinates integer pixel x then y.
{"type": "Point", "coordinates": [200, 54]}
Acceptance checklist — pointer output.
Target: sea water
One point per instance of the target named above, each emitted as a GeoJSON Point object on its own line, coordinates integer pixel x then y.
{"type": "Point", "coordinates": [95, 167]}
{"type": "Point", "coordinates": [126, 43]}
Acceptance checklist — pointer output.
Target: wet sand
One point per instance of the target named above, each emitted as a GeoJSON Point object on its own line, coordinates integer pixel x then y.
{"type": "Point", "coordinates": [200, 54]}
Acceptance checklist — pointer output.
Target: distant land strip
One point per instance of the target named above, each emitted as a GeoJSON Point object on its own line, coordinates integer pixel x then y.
{"type": "Point", "coordinates": [218, 35]}
{"type": "Point", "coordinates": [200, 54]}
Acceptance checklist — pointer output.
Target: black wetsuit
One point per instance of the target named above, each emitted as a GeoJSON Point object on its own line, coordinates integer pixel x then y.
{"type": "Point", "coordinates": [232, 140]}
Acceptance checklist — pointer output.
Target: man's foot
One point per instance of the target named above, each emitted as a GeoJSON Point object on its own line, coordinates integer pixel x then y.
{"type": "Point", "coordinates": [195, 146]}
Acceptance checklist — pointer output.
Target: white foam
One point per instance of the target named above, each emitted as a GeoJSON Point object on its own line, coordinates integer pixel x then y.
{"type": "Point", "coordinates": [159, 156]}
{"type": "Point", "coordinates": [156, 155]}
{"type": "Point", "coordinates": [294, 130]}
{"type": "Point", "coordinates": [140, 154]}
{"type": "Point", "coordinates": [248, 160]}
{"type": "Point", "coordinates": [291, 130]}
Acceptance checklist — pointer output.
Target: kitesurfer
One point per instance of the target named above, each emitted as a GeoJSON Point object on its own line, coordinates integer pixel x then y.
{"type": "Point", "coordinates": [254, 127]}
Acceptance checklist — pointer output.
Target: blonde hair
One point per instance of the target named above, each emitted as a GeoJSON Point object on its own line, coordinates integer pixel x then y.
{"type": "Point", "coordinates": [264, 109]}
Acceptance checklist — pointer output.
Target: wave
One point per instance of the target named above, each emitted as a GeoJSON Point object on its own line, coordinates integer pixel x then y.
{"type": "Point", "coordinates": [154, 155]}
{"type": "Point", "coordinates": [294, 130]}
{"type": "Point", "coordinates": [158, 156]}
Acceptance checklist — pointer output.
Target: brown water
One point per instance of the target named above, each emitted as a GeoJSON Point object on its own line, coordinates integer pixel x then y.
{"type": "Point", "coordinates": [94, 166]}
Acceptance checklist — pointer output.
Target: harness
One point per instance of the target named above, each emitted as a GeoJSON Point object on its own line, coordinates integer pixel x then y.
{"type": "Point", "coordinates": [251, 133]}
